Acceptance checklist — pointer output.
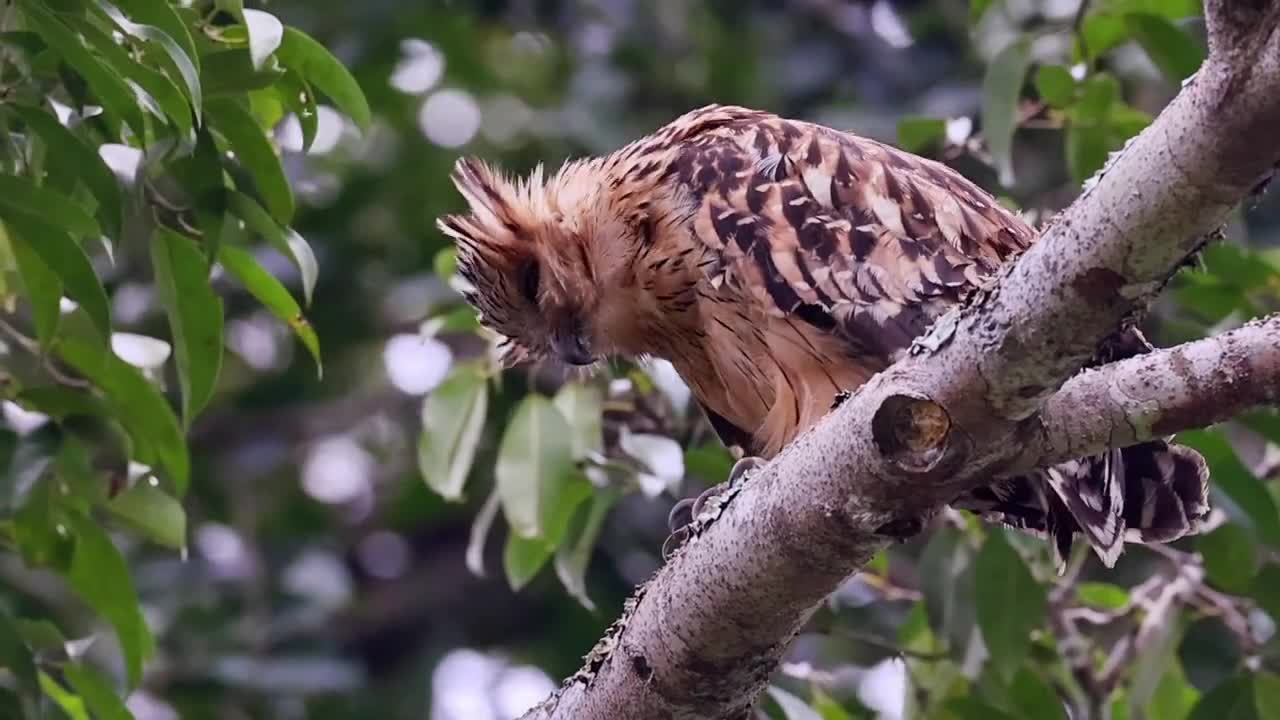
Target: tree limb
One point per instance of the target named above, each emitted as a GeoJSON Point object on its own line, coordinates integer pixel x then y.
{"type": "Point", "coordinates": [701, 639]}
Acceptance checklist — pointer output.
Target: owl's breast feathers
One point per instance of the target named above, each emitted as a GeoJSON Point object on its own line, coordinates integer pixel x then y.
{"type": "Point", "coordinates": [831, 254]}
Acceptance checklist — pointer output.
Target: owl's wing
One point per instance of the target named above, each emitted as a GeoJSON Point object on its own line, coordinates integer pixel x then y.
{"type": "Point", "coordinates": [850, 235]}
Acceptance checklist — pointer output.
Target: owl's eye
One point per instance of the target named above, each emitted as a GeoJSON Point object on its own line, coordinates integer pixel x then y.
{"type": "Point", "coordinates": [529, 278]}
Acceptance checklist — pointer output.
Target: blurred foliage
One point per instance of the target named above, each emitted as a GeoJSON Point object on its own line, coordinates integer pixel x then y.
{"type": "Point", "coordinates": [199, 211]}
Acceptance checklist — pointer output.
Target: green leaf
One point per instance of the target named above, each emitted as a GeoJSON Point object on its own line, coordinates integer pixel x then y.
{"type": "Point", "coordinates": [1055, 85]}
{"type": "Point", "coordinates": [136, 402]}
{"type": "Point", "coordinates": [1232, 699]}
{"type": "Point", "coordinates": [1266, 695]}
{"type": "Point", "coordinates": [978, 8]}
{"type": "Point", "coordinates": [1173, 698]}
{"type": "Point", "coordinates": [1102, 595]}
{"type": "Point", "coordinates": [18, 196]}
{"type": "Point", "coordinates": [1230, 557]}
{"type": "Point", "coordinates": [1168, 46]}
{"type": "Point", "coordinates": [323, 71]}
{"type": "Point", "coordinates": [1155, 662]}
{"type": "Point", "coordinates": [195, 316]}
{"type": "Point", "coordinates": [793, 708]}
{"type": "Point", "coordinates": [177, 60]}
{"type": "Point", "coordinates": [268, 290]}
{"type": "Point", "coordinates": [1087, 149]}
{"type": "Point", "coordinates": [1100, 33]}
{"type": "Point", "coordinates": [96, 692]}
{"type": "Point", "coordinates": [265, 33]}
{"type": "Point", "coordinates": [523, 558]}
{"type": "Point", "coordinates": [106, 84]}
{"type": "Point", "coordinates": [100, 577]}
{"type": "Point", "coordinates": [296, 95]}
{"type": "Point", "coordinates": [44, 289]}
{"type": "Point", "coordinates": [68, 702]}
{"type": "Point", "coordinates": [15, 656]}
{"type": "Point", "coordinates": [1266, 424]}
{"type": "Point", "coordinates": [1001, 89]}
{"type": "Point", "coordinates": [41, 540]}
{"type": "Point", "coordinates": [67, 259]}
{"type": "Point", "coordinates": [71, 156]}
{"type": "Point", "coordinates": [535, 465]}
{"type": "Point", "coordinates": [255, 153]}
{"type": "Point", "coordinates": [971, 708]}
{"type": "Point", "coordinates": [445, 262]}
{"type": "Point", "coordinates": [1010, 603]}
{"type": "Point", "coordinates": [582, 406]}
{"type": "Point", "coordinates": [230, 71]}
{"type": "Point", "coordinates": [1266, 590]}
{"type": "Point", "coordinates": [162, 15]}
{"type": "Point", "coordinates": [154, 513]}
{"type": "Point", "coordinates": [710, 462]}
{"type": "Point", "coordinates": [289, 243]}
{"type": "Point", "coordinates": [916, 134]}
{"type": "Point", "coordinates": [1032, 697]}
{"type": "Point", "coordinates": [1234, 479]}
{"type": "Point", "coordinates": [572, 558]}
{"type": "Point", "coordinates": [453, 417]}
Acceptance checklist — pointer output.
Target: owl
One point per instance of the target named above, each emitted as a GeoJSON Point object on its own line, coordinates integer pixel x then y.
{"type": "Point", "coordinates": [778, 264]}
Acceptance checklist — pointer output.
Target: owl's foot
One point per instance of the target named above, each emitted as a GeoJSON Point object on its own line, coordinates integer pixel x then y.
{"type": "Point", "coordinates": [683, 513]}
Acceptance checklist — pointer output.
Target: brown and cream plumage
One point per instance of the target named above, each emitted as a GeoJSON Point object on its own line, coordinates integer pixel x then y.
{"type": "Point", "coordinates": [777, 263]}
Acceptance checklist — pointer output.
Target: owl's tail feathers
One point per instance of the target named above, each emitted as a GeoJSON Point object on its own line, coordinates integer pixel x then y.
{"type": "Point", "coordinates": [1154, 492]}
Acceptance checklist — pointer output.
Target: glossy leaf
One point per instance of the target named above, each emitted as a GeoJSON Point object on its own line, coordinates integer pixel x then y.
{"type": "Point", "coordinates": [154, 513]}
{"type": "Point", "coordinates": [106, 84]}
{"type": "Point", "coordinates": [255, 153]}
{"type": "Point", "coordinates": [268, 290]}
{"type": "Point", "coordinates": [19, 196]}
{"type": "Point", "coordinates": [453, 416]}
{"type": "Point", "coordinates": [68, 261]}
{"type": "Point", "coordinates": [162, 15]}
{"type": "Point", "coordinates": [1168, 46]}
{"type": "Point", "coordinates": [135, 401]}
{"type": "Point", "coordinates": [323, 71]}
{"type": "Point", "coordinates": [535, 465]}
{"type": "Point", "coordinates": [1010, 603]}
{"type": "Point", "coordinates": [289, 243]}
{"type": "Point", "coordinates": [96, 692]}
{"type": "Point", "coordinates": [180, 61]}
{"type": "Point", "coordinates": [1230, 557]}
{"type": "Point", "coordinates": [43, 288]}
{"type": "Point", "coordinates": [100, 577]}
{"type": "Point", "coordinates": [70, 155]}
{"type": "Point", "coordinates": [68, 702]}
{"type": "Point", "coordinates": [195, 316]}
{"type": "Point", "coordinates": [1001, 89]}
{"type": "Point", "coordinates": [265, 33]}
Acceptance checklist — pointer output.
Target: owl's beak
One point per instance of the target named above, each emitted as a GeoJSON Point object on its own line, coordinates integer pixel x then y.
{"type": "Point", "coordinates": [571, 344]}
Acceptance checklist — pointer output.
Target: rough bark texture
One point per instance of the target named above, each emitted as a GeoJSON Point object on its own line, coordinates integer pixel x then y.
{"type": "Point", "coordinates": [982, 394]}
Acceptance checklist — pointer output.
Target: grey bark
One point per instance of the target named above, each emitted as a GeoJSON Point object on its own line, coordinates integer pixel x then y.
{"type": "Point", "coordinates": [981, 395]}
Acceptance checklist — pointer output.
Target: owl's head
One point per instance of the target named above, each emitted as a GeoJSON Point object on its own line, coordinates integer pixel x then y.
{"type": "Point", "coordinates": [550, 261]}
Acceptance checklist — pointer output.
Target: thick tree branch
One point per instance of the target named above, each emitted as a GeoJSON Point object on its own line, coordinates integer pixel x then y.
{"type": "Point", "coordinates": [702, 638]}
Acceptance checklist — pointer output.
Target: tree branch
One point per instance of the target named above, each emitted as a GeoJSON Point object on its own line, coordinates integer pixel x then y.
{"type": "Point", "coordinates": [701, 639]}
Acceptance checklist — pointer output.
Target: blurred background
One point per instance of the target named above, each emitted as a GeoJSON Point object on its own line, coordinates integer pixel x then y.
{"type": "Point", "coordinates": [325, 579]}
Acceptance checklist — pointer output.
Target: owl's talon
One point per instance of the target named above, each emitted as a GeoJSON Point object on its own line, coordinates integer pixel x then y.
{"type": "Point", "coordinates": [840, 398]}
{"type": "Point", "coordinates": [744, 466]}
{"type": "Point", "coordinates": [673, 542]}
{"type": "Point", "coordinates": [681, 514]}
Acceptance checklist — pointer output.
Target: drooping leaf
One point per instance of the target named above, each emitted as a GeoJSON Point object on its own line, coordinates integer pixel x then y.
{"type": "Point", "coordinates": [179, 61]}
{"type": "Point", "coordinates": [523, 558]}
{"type": "Point", "coordinates": [15, 656]}
{"type": "Point", "coordinates": [1001, 90]}
{"type": "Point", "coordinates": [19, 196]}
{"type": "Point", "coordinates": [1010, 603]}
{"type": "Point", "coordinates": [572, 558]}
{"type": "Point", "coordinates": [1173, 698]}
{"type": "Point", "coordinates": [70, 155]}
{"type": "Point", "coordinates": [298, 98]}
{"type": "Point", "coordinates": [1230, 557]}
{"type": "Point", "coordinates": [67, 259]}
{"type": "Point", "coordinates": [535, 466]}
{"type": "Point", "coordinates": [164, 16]}
{"type": "Point", "coordinates": [453, 417]}
{"type": "Point", "coordinates": [1168, 46]}
{"type": "Point", "coordinates": [268, 290]}
{"type": "Point", "coordinates": [479, 533]}
{"type": "Point", "coordinates": [230, 71]}
{"type": "Point", "coordinates": [135, 401]}
{"type": "Point", "coordinates": [100, 577]}
{"type": "Point", "coordinates": [1233, 699]}
{"type": "Point", "coordinates": [68, 702]}
{"type": "Point", "coordinates": [154, 513]}
{"type": "Point", "coordinates": [323, 71]}
{"type": "Point", "coordinates": [43, 288]}
{"type": "Point", "coordinates": [793, 708]}
{"type": "Point", "coordinates": [96, 692]}
{"type": "Point", "coordinates": [195, 316]}
{"type": "Point", "coordinates": [108, 86]}
{"type": "Point", "coordinates": [255, 153]}
{"type": "Point", "coordinates": [289, 243]}
{"type": "Point", "coordinates": [265, 33]}
{"type": "Point", "coordinates": [1033, 698]}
